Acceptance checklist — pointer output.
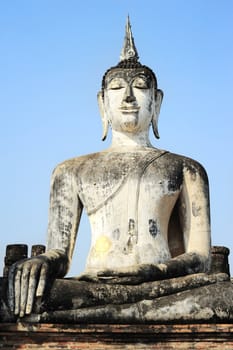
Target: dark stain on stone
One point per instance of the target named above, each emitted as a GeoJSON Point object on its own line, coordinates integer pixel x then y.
{"type": "Point", "coordinates": [116, 234]}
{"type": "Point", "coordinates": [174, 184]}
{"type": "Point", "coordinates": [132, 235]}
{"type": "Point", "coordinates": [153, 229]}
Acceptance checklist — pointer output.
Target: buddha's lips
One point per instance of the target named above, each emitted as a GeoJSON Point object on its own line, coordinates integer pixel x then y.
{"type": "Point", "coordinates": [132, 109]}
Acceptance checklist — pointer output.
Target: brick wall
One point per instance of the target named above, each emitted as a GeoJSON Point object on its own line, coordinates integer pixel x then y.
{"type": "Point", "coordinates": [101, 337]}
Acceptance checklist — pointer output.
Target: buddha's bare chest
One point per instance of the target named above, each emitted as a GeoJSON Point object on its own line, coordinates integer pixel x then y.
{"type": "Point", "coordinates": [120, 179]}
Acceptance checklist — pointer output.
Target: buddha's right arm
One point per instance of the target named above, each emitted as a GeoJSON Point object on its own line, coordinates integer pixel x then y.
{"type": "Point", "coordinates": [64, 214]}
{"type": "Point", "coordinates": [28, 278]}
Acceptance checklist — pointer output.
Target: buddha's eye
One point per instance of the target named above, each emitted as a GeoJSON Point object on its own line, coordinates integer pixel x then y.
{"type": "Point", "coordinates": [115, 87]}
{"type": "Point", "coordinates": [116, 84]}
{"type": "Point", "coordinates": [141, 83]}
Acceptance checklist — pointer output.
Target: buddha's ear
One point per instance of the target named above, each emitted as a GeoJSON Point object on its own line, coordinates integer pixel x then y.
{"type": "Point", "coordinates": [155, 117]}
{"type": "Point", "coordinates": [103, 115]}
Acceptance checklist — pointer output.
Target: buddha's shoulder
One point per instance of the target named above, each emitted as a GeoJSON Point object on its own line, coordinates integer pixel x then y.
{"type": "Point", "coordinates": [187, 163]}
{"type": "Point", "coordinates": [74, 163]}
{"type": "Point", "coordinates": [180, 158]}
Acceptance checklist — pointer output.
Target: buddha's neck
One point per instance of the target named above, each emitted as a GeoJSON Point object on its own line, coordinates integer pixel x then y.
{"type": "Point", "coordinates": [138, 140]}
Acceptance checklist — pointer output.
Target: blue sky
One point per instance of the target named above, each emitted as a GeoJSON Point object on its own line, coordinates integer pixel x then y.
{"type": "Point", "coordinates": [53, 56]}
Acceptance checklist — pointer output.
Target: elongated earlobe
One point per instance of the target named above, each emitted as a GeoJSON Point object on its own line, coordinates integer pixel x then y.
{"type": "Point", "coordinates": [155, 129]}
{"type": "Point", "coordinates": [104, 118]}
{"type": "Point", "coordinates": [157, 105]}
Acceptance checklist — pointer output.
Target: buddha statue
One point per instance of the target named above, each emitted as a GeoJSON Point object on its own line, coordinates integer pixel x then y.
{"type": "Point", "coordinates": [148, 208]}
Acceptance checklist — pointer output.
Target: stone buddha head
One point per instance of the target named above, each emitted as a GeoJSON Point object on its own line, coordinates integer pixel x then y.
{"type": "Point", "coordinates": [129, 100]}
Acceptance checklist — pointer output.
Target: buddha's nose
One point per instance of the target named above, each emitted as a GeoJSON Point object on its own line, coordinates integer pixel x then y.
{"type": "Point", "coordinates": [129, 96]}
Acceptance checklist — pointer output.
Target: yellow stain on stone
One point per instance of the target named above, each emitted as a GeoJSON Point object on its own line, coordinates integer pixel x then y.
{"type": "Point", "coordinates": [102, 245]}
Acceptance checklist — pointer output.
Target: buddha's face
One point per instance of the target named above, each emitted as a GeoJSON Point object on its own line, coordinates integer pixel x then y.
{"type": "Point", "coordinates": [129, 96]}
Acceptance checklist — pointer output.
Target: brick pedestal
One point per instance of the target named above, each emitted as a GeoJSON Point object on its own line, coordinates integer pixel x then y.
{"type": "Point", "coordinates": [101, 337]}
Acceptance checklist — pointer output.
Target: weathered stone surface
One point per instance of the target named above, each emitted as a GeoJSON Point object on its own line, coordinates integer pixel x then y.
{"type": "Point", "coordinates": [37, 249]}
{"type": "Point", "coordinates": [129, 336]}
{"type": "Point", "coordinates": [71, 294]}
{"type": "Point", "coordinates": [219, 260]}
{"type": "Point", "coordinates": [14, 253]}
{"type": "Point", "coordinates": [212, 303]}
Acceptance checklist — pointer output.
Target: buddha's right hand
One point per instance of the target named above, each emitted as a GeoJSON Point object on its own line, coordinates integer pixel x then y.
{"type": "Point", "coordinates": [26, 281]}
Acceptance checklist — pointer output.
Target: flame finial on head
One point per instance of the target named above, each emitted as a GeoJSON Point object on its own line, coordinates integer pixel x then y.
{"type": "Point", "coordinates": [129, 50]}
{"type": "Point", "coordinates": [129, 58]}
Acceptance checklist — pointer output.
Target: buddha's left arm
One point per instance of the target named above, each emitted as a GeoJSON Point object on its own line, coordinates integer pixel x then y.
{"type": "Point", "coordinates": [195, 222]}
